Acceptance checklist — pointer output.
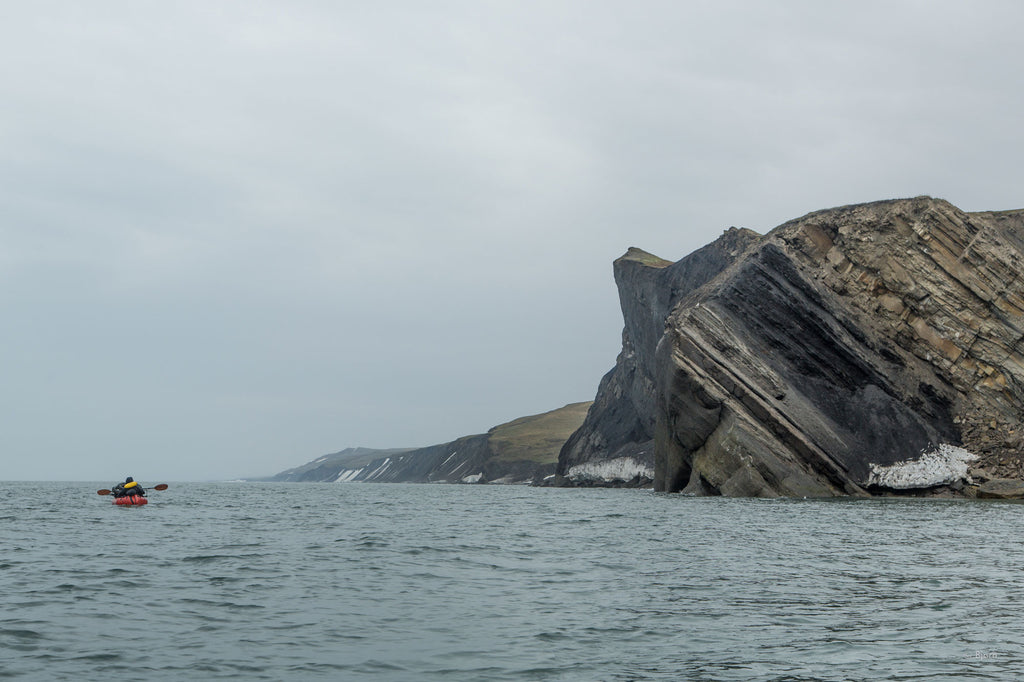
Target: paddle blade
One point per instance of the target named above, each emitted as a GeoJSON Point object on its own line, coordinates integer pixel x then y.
{"type": "Point", "coordinates": [162, 486]}
{"type": "Point", "coordinates": [103, 492]}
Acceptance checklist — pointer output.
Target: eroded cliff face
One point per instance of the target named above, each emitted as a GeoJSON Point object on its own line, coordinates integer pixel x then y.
{"type": "Point", "coordinates": [616, 439]}
{"type": "Point", "coordinates": [845, 343]}
{"type": "Point", "coordinates": [860, 349]}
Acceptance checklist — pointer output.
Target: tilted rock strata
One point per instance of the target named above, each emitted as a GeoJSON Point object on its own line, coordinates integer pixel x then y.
{"type": "Point", "coordinates": [852, 338]}
{"type": "Point", "coordinates": [621, 423]}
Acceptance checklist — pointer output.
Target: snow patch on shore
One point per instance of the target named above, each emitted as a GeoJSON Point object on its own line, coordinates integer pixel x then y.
{"type": "Point", "coordinates": [472, 478]}
{"type": "Point", "coordinates": [347, 475]}
{"type": "Point", "coordinates": [624, 468]}
{"type": "Point", "coordinates": [379, 470]}
{"type": "Point", "coordinates": [944, 465]}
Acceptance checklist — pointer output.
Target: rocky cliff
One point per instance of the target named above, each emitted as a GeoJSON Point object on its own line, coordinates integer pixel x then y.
{"type": "Point", "coordinates": [616, 439]}
{"type": "Point", "coordinates": [523, 450]}
{"type": "Point", "coordinates": [864, 348]}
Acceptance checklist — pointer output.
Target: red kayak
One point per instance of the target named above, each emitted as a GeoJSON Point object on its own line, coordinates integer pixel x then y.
{"type": "Point", "coordinates": [131, 500]}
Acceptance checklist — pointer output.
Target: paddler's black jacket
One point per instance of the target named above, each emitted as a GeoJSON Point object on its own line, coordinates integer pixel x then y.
{"type": "Point", "coordinates": [126, 489]}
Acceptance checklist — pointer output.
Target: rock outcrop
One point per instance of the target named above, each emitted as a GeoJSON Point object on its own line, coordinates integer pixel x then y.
{"type": "Point", "coordinates": [619, 427]}
{"type": "Point", "coordinates": [1002, 489]}
{"type": "Point", "coordinates": [826, 357]}
{"type": "Point", "coordinates": [524, 450]}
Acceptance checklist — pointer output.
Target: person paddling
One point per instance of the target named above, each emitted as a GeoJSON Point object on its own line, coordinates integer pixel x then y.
{"type": "Point", "coordinates": [129, 487]}
{"type": "Point", "coordinates": [130, 490]}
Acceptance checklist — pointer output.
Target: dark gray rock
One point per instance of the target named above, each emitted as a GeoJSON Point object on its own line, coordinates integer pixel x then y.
{"type": "Point", "coordinates": [846, 343]}
{"type": "Point", "coordinates": [621, 422]}
{"type": "Point", "coordinates": [848, 340]}
{"type": "Point", "coordinates": [1002, 489]}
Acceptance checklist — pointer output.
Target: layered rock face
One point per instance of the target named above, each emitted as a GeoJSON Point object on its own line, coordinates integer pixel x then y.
{"type": "Point", "coordinates": [854, 349]}
{"type": "Point", "coordinates": [616, 439]}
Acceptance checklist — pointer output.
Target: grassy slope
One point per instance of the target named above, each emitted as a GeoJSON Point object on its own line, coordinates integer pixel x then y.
{"type": "Point", "coordinates": [644, 258]}
{"type": "Point", "coordinates": [537, 438]}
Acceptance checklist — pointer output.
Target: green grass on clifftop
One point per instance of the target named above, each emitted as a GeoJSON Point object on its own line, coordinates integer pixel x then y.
{"type": "Point", "coordinates": [649, 259]}
{"type": "Point", "coordinates": [537, 438]}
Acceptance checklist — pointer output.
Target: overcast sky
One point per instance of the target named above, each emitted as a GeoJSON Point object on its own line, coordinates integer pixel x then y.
{"type": "Point", "coordinates": [240, 235]}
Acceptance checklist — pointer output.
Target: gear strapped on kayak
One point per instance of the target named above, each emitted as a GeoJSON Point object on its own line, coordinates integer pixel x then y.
{"type": "Point", "coordinates": [130, 492]}
{"type": "Point", "coordinates": [129, 488]}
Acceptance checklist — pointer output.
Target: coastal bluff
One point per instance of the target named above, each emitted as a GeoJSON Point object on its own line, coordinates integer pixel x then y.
{"type": "Point", "coordinates": [873, 348]}
{"type": "Point", "coordinates": [524, 450]}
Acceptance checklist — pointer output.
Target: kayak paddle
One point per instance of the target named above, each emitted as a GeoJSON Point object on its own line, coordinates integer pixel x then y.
{"type": "Point", "coordinates": [161, 486]}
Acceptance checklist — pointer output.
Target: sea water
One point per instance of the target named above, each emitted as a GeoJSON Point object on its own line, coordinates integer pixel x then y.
{"type": "Point", "coordinates": [257, 581]}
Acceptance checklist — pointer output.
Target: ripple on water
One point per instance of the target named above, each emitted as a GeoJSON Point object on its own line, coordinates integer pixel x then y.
{"type": "Point", "coordinates": [431, 583]}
